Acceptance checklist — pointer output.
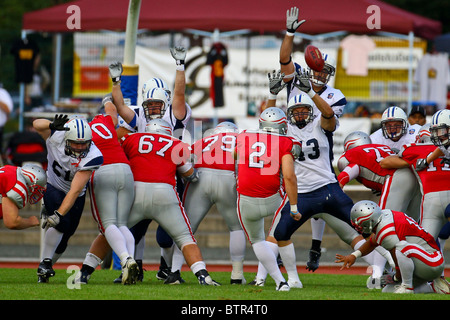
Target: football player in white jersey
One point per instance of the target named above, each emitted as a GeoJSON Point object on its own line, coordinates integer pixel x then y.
{"type": "Point", "coordinates": [72, 157]}
{"type": "Point", "coordinates": [395, 129]}
{"type": "Point", "coordinates": [321, 93]}
{"type": "Point", "coordinates": [319, 193]}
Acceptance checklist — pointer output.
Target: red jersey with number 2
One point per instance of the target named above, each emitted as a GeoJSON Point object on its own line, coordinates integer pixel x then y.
{"type": "Point", "coordinates": [259, 162]}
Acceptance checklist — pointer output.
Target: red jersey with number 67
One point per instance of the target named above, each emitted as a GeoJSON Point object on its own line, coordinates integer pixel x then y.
{"type": "Point", "coordinates": [215, 151]}
{"type": "Point", "coordinates": [259, 162]}
{"type": "Point", "coordinates": [105, 138]}
{"type": "Point", "coordinates": [154, 158]}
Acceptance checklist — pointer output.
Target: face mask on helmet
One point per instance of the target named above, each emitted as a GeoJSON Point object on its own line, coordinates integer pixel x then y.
{"type": "Point", "coordinates": [155, 103]}
{"type": "Point", "coordinates": [394, 123]}
{"type": "Point", "coordinates": [78, 138]}
{"type": "Point", "coordinates": [440, 127]}
{"type": "Point", "coordinates": [300, 110]}
{"type": "Point", "coordinates": [273, 120]}
{"type": "Point", "coordinates": [321, 78]}
{"type": "Point", "coordinates": [36, 180]}
{"type": "Point", "coordinates": [365, 216]}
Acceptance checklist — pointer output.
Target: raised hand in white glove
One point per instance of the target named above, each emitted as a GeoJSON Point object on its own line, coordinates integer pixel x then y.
{"type": "Point", "coordinates": [292, 22]}
{"type": "Point", "coordinates": [301, 81]}
{"type": "Point", "coordinates": [276, 83]}
{"type": "Point", "coordinates": [115, 71]}
{"type": "Point", "coordinates": [179, 54]}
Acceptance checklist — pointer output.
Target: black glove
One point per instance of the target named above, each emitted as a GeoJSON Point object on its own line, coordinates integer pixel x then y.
{"type": "Point", "coordinates": [445, 161]}
{"type": "Point", "coordinates": [58, 122]}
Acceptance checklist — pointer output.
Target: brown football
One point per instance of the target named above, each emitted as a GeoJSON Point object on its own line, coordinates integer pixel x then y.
{"type": "Point", "coordinates": [313, 58]}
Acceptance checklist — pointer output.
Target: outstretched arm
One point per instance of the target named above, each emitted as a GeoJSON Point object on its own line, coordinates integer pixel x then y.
{"type": "Point", "coordinates": [179, 98]}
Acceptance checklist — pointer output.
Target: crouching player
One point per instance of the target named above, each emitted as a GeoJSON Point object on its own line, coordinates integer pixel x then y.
{"type": "Point", "coordinates": [418, 259]}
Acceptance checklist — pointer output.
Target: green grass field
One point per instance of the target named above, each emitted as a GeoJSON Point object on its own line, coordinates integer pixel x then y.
{"type": "Point", "coordinates": [21, 284]}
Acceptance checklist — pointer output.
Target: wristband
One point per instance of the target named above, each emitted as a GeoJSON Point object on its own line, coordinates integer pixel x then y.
{"type": "Point", "coordinates": [356, 254]}
{"type": "Point", "coordinates": [272, 97]}
{"type": "Point", "coordinates": [180, 67]}
{"type": "Point", "coordinates": [286, 63]}
{"type": "Point", "coordinates": [290, 33]}
{"type": "Point", "coordinates": [294, 208]}
{"type": "Point", "coordinates": [311, 93]}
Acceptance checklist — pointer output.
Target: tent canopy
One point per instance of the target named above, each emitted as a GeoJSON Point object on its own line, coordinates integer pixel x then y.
{"type": "Point", "coordinates": [256, 15]}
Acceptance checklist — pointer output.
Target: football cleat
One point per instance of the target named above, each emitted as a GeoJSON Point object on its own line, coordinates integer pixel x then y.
{"type": "Point", "coordinates": [140, 276]}
{"type": "Point", "coordinates": [257, 282]}
{"type": "Point", "coordinates": [45, 268]}
{"type": "Point", "coordinates": [283, 286]}
{"type": "Point", "coordinates": [205, 279]}
{"type": "Point", "coordinates": [130, 271]}
{"type": "Point", "coordinates": [373, 283]}
{"type": "Point", "coordinates": [403, 289]}
{"type": "Point", "coordinates": [82, 278]}
{"type": "Point", "coordinates": [238, 281]}
{"type": "Point", "coordinates": [295, 284]}
{"type": "Point", "coordinates": [174, 278]}
{"type": "Point", "coordinates": [118, 279]}
{"type": "Point", "coordinates": [440, 286]}
{"type": "Point", "coordinates": [163, 271]}
{"type": "Point", "coordinates": [313, 263]}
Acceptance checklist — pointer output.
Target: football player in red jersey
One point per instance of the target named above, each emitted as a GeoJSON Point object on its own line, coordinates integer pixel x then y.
{"type": "Point", "coordinates": [155, 157]}
{"type": "Point", "coordinates": [214, 160]}
{"type": "Point", "coordinates": [111, 190]}
{"type": "Point", "coordinates": [418, 258]}
{"type": "Point", "coordinates": [265, 158]}
{"type": "Point", "coordinates": [433, 181]}
{"type": "Point", "coordinates": [19, 186]}
{"type": "Point", "coordinates": [361, 161]}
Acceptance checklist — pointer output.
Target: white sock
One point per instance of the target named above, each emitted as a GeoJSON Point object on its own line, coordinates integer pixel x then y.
{"type": "Point", "coordinates": [117, 242]}
{"type": "Point", "coordinates": [177, 259]}
{"type": "Point", "coordinates": [52, 239]}
{"type": "Point", "coordinates": [266, 256]}
{"type": "Point", "coordinates": [92, 260]}
{"type": "Point", "coordinates": [197, 266]}
{"type": "Point", "coordinates": [406, 268]}
{"type": "Point", "coordinates": [262, 272]}
{"type": "Point", "coordinates": [317, 228]}
{"type": "Point", "coordinates": [129, 240]}
{"type": "Point", "coordinates": [289, 261]}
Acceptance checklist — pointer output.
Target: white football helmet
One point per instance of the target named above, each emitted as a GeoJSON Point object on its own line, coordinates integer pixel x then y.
{"type": "Point", "coordinates": [356, 139]}
{"type": "Point", "coordinates": [439, 128]}
{"type": "Point", "coordinates": [155, 95]}
{"type": "Point", "coordinates": [36, 180]}
{"type": "Point", "coordinates": [273, 119]}
{"type": "Point", "coordinates": [226, 126]}
{"type": "Point", "coordinates": [300, 100]}
{"type": "Point", "coordinates": [394, 114]}
{"type": "Point", "coordinates": [424, 135]}
{"type": "Point", "coordinates": [329, 69]}
{"type": "Point", "coordinates": [78, 138]}
{"type": "Point", "coordinates": [159, 126]}
{"type": "Point", "coordinates": [365, 215]}
{"type": "Point", "coordinates": [155, 83]}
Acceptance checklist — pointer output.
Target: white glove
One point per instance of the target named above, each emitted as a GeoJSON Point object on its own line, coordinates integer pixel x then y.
{"type": "Point", "coordinates": [115, 71]}
{"type": "Point", "coordinates": [276, 83]}
{"type": "Point", "coordinates": [53, 220]}
{"type": "Point", "coordinates": [301, 81]}
{"type": "Point", "coordinates": [292, 22]}
{"type": "Point", "coordinates": [421, 164]}
{"type": "Point", "coordinates": [179, 54]}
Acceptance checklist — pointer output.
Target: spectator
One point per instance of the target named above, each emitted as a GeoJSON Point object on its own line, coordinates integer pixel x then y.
{"type": "Point", "coordinates": [417, 115]}
{"type": "Point", "coordinates": [6, 107]}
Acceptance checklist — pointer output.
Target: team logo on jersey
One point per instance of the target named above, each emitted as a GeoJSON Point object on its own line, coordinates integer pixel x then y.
{"type": "Point", "coordinates": [330, 95]}
{"type": "Point", "coordinates": [411, 131]}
